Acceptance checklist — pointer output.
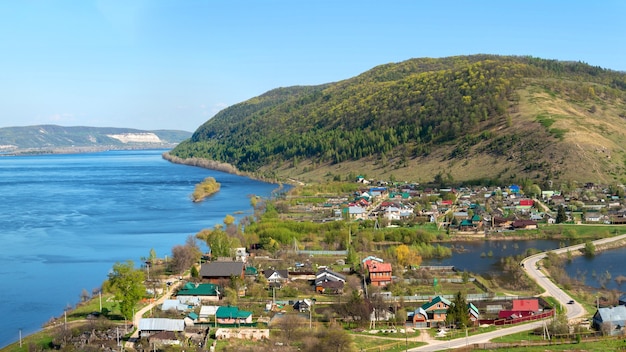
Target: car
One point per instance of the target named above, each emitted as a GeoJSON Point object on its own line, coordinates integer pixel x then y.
{"type": "Point", "coordinates": [571, 301]}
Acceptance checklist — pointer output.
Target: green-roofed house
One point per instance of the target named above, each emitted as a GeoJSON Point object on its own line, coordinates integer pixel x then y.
{"type": "Point", "coordinates": [232, 315]}
{"type": "Point", "coordinates": [466, 225]}
{"type": "Point", "coordinates": [251, 271]}
{"type": "Point", "coordinates": [205, 292]}
{"type": "Point", "coordinates": [436, 309]}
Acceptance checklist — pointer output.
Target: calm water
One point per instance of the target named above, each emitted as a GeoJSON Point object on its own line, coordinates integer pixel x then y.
{"type": "Point", "coordinates": [594, 269]}
{"type": "Point", "coordinates": [469, 259]}
{"type": "Point", "coordinates": [65, 219]}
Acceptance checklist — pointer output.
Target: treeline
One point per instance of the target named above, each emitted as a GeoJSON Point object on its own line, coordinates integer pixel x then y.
{"type": "Point", "coordinates": [400, 110]}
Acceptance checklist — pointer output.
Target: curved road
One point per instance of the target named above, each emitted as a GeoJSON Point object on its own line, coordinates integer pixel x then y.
{"type": "Point", "coordinates": [574, 311]}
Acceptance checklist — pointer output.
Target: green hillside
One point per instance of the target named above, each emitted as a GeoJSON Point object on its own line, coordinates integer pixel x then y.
{"type": "Point", "coordinates": [462, 118]}
{"type": "Point", "coordinates": [48, 137]}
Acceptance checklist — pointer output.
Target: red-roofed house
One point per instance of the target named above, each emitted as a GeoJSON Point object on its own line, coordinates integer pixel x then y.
{"type": "Point", "coordinates": [526, 305]}
{"type": "Point", "coordinates": [526, 202]}
{"type": "Point", "coordinates": [379, 273]}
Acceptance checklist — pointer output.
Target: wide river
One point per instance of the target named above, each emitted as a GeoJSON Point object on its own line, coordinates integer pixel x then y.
{"type": "Point", "coordinates": [66, 219]}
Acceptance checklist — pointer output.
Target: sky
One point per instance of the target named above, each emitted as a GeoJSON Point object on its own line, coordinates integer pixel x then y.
{"type": "Point", "coordinates": [174, 64]}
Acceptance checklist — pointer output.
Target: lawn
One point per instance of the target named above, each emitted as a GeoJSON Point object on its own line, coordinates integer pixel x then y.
{"type": "Point", "coordinates": [38, 341]}
{"type": "Point", "coordinates": [609, 344]}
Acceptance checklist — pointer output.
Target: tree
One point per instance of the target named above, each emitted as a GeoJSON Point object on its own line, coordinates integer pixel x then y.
{"type": "Point", "coordinates": [458, 312]}
{"type": "Point", "coordinates": [560, 215]}
{"type": "Point", "coordinates": [534, 190]}
{"type": "Point", "coordinates": [220, 244]}
{"type": "Point", "coordinates": [407, 256]}
{"type": "Point", "coordinates": [183, 257]}
{"type": "Point", "coordinates": [126, 282]}
{"type": "Point", "coordinates": [153, 255]}
{"type": "Point", "coordinates": [590, 249]}
{"type": "Point", "coordinates": [229, 220]}
{"type": "Point", "coordinates": [289, 324]}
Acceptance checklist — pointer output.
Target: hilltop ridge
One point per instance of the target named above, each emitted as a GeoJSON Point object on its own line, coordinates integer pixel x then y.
{"type": "Point", "coordinates": [479, 117]}
{"type": "Point", "coordinates": [53, 138]}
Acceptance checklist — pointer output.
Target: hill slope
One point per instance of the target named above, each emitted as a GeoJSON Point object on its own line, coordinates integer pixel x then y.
{"type": "Point", "coordinates": [52, 137]}
{"type": "Point", "coordinates": [460, 118]}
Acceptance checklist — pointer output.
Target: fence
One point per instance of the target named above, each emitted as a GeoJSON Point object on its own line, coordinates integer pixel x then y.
{"type": "Point", "coordinates": [547, 314]}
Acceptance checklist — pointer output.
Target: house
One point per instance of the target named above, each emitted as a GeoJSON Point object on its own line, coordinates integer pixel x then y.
{"type": "Point", "coordinates": [369, 259]}
{"type": "Point", "coordinates": [327, 281]}
{"type": "Point", "coordinates": [419, 317]}
{"type": "Point", "coordinates": [151, 326]}
{"type": "Point", "coordinates": [218, 271]}
{"type": "Point", "coordinates": [436, 309]}
{"type": "Point", "coordinates": [303, 305]}
{"type": "Point", "coordinates": [241, 255]}
{"type": "Point", "coordinates": [201, 292]}
{"type": "Point", "coordinates": [610, 320]}
{"type": "Point", "coordinates": [593, 217]}
{"type": "Point", "coordinates": [232, 315]}
{"type": "Point", "coordinates": [191, 318]}
{"type": "Point", "coordinates": [163, 338]}
{"type": "Point", "coordinates": [379, 274]}
{"type": "Point", "coordinates": [251, 271]}
{"type": "Point", "coordinates": [357, 213]}
{"type": "Point", "coordinates": [524, 225]}
{"type": "Point", "coordinates": [174, 304]}
{"type": "Point", "coordinates": [528, 305]}
{"type": "Point", "coordinates": [467, 225]}
{"type": "Point", "coordinates": [207, 311]}
{"type": "Point", "coordinates": [473, 313]}
{"type": "Point", "coordinates": [276, 276]}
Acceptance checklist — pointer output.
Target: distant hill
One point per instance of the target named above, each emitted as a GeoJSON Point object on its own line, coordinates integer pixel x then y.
{"type": "Point", "coordinates": [54, 138]}
{"type": "Point", "coordinates": [480, 117]}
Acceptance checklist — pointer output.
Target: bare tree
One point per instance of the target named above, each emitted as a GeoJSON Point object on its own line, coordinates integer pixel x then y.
{"type": "Point", "coordinates": [183, 257]}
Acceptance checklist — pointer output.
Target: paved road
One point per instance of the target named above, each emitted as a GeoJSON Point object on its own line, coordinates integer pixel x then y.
{"type": "Point", "coordinates": [574, 311]}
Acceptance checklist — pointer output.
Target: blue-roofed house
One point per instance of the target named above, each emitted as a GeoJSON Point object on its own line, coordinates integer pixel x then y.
{"type": "Point", "coordinates": [610, 320]}
{"type": "Point", "coordinates": [419, 317]}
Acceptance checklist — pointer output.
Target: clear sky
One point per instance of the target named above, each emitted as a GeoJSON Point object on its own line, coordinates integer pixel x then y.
{"type": "Point", "coordinates": [173, 64]}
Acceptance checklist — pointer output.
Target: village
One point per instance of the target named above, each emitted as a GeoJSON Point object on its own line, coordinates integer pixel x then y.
{"type": "Point", "coordinates": [309, 287]}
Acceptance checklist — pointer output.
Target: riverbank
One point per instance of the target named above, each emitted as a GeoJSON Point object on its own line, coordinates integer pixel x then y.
{"type": "Point", "coordinates": [222, 167]}
{"type": "Point", "coordinates": [598, 247]}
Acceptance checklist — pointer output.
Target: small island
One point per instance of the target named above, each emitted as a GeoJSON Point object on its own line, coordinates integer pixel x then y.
{"type": "Point", "coordinates": [204, 189]}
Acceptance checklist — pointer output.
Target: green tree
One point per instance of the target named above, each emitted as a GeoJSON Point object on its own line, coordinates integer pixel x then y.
{"type": "Point", "coordinates": [590, 249]}
{"type": "Point", "coordinates": [458, 312]}
{"type": "Point", "coordinates": [218, 241]}
{"type": "Point", "coordinates": [560, 215]}
{"type": "Point", "coordinates": [229, 220]}
{"type": "Point", "coordinates": [127, 283]}
{"type": "Point", "coordinates": [534, 190]}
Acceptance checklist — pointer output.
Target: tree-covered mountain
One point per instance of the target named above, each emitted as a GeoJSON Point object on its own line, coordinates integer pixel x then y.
{"type": "Point", "coordinates": [49, 137]}
{"type": "Point", "coordinates": [462, 118]}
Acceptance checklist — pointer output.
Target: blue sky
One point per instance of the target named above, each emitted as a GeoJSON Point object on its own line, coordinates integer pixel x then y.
{"type": "Point", "coordinates": [174, 64]}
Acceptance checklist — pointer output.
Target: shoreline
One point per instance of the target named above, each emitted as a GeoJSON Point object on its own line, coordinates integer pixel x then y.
{"type": "Point", "coordinates": [219, 166]}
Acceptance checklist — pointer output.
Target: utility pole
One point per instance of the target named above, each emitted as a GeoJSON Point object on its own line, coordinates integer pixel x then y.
{"type": "Point", "coordinates": [20, 338]}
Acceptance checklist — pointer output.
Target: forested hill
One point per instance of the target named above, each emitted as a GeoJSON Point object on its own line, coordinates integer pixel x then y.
{"type": "Point", "coordinates": [52, 137]}
{"type": "Point", "coordinates": [460, 118]}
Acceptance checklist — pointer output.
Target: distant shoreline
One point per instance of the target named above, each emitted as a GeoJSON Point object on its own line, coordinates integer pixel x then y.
{"type": "Point", "coordinates": [83, 150]}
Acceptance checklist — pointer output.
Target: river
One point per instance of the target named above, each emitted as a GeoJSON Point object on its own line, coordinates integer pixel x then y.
{"type": "Point", "coordinates": [66, 219]}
